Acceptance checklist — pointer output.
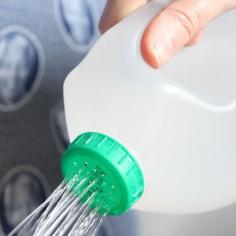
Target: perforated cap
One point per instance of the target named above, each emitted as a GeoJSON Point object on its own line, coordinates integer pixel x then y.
{"type": "Point", "coordinates": [122, 182]}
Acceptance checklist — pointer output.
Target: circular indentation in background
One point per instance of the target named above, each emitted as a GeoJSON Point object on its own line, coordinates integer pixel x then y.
{"type": "Point", "coordinates": [22, 190]}
{"type": "Point", "coordinates": [77, 22]}
{"type": "Point", "coordinates": [58, 126]}
{"type": "Point", "coordinates": [21, 66]}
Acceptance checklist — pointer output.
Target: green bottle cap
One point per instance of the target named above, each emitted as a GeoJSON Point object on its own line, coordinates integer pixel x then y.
{"type": "Point", "coordinates": [114, 174]}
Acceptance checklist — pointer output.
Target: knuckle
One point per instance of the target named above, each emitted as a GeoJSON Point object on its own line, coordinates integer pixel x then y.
{"type": "Point", "coordinates": [187, 19]}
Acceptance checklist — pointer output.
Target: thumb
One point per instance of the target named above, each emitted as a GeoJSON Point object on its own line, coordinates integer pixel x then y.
{"type": "Point", "coordinates": [176, 26]}
{"type": "Point", "coordinates": [116, 10]}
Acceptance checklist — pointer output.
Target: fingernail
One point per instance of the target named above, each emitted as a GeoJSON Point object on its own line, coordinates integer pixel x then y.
{"type": "Point", "coordinates": [157, 46]}
{"type": "Point", "coordinates": [160, 40]}
{"type": "Point", "coordinates": [163, 46]}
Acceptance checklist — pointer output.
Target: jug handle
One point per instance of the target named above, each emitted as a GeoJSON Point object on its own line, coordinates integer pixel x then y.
{"type": "Point", "coordinates": [120, 45]}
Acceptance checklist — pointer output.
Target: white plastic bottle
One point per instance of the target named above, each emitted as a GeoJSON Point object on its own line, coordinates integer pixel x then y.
{"type": "Point", "coordinates": [185, 143]}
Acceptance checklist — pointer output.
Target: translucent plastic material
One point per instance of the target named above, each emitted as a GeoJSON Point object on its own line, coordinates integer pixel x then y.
{"type": "Point", "coordinates": [185, 140]}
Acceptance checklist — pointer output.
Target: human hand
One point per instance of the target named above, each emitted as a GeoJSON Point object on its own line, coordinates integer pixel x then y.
{"type": "Point", "coordinates": [180, 24]}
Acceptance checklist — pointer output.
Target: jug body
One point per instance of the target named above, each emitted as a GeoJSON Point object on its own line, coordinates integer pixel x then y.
{"type": "Point", "coordinates": [180, 139]}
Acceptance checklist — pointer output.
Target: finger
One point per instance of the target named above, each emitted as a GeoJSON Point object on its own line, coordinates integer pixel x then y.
{"type": "Point", "coordinates": [195, 39]}
{"type": "Point", "coordinates": [116, 10]}
{"type": "Point", "coordinates": [175, 26]}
